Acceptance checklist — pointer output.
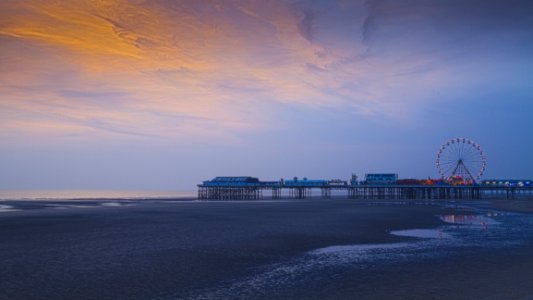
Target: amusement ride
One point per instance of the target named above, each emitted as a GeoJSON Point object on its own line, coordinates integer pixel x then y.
{"type": "Point", "coordinates": [461, 161]}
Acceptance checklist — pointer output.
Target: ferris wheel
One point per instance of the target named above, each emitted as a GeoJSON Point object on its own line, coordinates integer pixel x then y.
{"type": "Point", "coordinates": [462, 159]}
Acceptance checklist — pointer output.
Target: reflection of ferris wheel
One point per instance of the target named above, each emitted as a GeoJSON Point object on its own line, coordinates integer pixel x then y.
{"type": "Point", "coordinates": [462, 159]}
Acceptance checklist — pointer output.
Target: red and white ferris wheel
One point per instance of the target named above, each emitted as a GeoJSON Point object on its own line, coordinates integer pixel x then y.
{"type": "Point", "coordinates": [461, 158]}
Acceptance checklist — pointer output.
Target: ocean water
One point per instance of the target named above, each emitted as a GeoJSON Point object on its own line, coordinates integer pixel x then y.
{"type": "Point", "coordinates": [92, 194]}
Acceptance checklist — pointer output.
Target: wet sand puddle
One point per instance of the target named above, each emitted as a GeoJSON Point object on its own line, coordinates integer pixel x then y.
{"type": "Point", "coordinates": [423, 233]}
{"type": "Point", "coordinates": [461, 234]}
{"type": "Point", "coordinates": [313, 267]}
{"type": "Point", "coordinates": [7, 208]}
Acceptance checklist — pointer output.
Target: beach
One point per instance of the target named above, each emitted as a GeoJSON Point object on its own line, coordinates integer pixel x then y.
{"type": "Point", "coordinates": [284, 249]}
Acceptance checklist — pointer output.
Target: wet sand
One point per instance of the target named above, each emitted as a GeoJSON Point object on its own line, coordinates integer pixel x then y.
{"type": "Point", "coordinates": [250, 250]}
{"type": "Point", "coordinates": [524, 205]}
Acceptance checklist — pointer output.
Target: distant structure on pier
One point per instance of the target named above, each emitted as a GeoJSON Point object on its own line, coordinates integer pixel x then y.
{"type": "Point", "coordinates": [375, 186]}
{"type": "Point", "coordinates": [460, 162]}
{"type": "Point", "coordinates": [507, 182]}
{"type": "Point", "coordinates": [228, 181]}
{"type": "Point", "coordinates": [387, 179]}
{"type": "Point", "coordinates": [295, 182]}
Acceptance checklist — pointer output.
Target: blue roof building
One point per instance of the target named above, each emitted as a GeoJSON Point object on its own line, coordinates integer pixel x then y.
{"type": "Point", "coordinates": [381, 179]}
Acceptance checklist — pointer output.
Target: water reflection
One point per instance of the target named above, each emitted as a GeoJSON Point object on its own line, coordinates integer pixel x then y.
{"type": "Point", "coordinates": [476, 220]}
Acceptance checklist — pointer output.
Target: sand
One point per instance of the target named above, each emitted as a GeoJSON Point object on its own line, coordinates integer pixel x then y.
{"type": "Point", "coordinates": [253, 250]}
{"type": "Point", "coordinates": [525, 205]}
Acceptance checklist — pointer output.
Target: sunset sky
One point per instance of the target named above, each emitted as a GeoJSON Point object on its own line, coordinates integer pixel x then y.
{"type": "Point", "coordinates": [130, 94]}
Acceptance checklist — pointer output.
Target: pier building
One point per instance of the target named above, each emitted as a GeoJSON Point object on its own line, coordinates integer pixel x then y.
{"type": "Point", "coordinates": [507, 182]}
{"type": "Point", "coordinates": [379, 179]}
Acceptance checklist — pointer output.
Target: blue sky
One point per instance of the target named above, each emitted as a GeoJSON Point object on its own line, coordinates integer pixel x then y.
{"type": "Point", "coordinates": [164, 94]}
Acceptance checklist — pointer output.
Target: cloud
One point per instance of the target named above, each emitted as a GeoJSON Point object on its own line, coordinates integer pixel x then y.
{"type": "Point", "coordinates": [184, 68]}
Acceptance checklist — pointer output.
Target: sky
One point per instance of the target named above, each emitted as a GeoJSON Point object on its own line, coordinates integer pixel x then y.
{"type": "Point", "coordinates": [130, 94]}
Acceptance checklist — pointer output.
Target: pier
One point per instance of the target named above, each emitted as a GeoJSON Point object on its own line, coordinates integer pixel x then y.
{"type": "Point", "coordinates": [250, 188]}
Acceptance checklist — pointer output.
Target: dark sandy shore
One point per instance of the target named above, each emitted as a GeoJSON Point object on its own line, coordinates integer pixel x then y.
{"type": "Point", "coordinates": [261, 250]}
{"type": "Point", "coordinates": [524, 205]}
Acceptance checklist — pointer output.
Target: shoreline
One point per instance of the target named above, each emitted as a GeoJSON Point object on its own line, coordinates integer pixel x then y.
{"type": "Point", "coordinates": [509, 205]}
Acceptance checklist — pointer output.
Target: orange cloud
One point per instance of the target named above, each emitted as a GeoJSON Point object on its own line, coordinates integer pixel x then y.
{"type": "Point", "coordinates": [173, 68]}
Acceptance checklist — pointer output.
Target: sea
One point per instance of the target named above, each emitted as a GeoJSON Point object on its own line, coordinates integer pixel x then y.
{"type": "Point", "coordinates": [69, 194]}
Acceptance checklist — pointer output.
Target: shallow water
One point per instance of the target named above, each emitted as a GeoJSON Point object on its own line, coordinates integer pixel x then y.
{"type": "Point", "coordinates": [422, 233]}
{"type": "Point", "coordinates": [7, 208]}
